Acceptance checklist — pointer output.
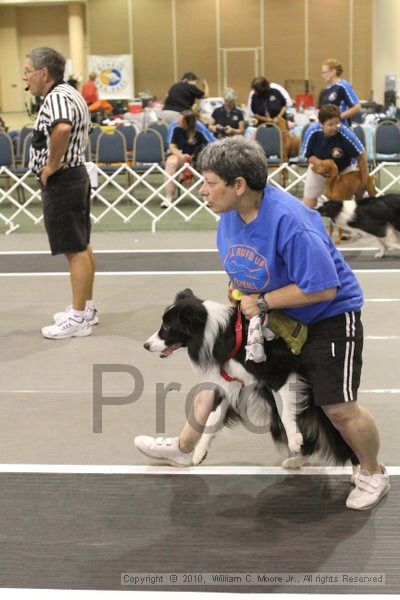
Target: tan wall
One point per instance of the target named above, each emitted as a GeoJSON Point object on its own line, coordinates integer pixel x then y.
{"type": "Point", "coordinates": [169, 37]}
{"type": "Point", "coordinates": [386, 46]}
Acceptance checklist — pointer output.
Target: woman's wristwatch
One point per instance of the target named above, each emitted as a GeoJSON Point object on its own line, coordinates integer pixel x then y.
{"type": "Point", "coordinates": [262, 304]}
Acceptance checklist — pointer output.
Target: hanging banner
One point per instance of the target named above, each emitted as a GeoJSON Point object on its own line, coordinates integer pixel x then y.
{"type": "Point", "coordinates": [114, 76]}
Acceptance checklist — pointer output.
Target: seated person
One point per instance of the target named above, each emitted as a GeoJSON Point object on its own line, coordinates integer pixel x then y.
{"type": "Point", "coordinates": [227, 120]}
{"type": "Point", "coordinates": [277, 86]}
{"type": "Point", "coordinates": [182, 95]}
{"type": "Point", "coordinates": [267, 103]}
{"type": "Point", "coordinates": [329, 139]}
{"type": "Point", "coordinates": [185, 145]}
{"type": "Point", "coordinates": [200, 127]}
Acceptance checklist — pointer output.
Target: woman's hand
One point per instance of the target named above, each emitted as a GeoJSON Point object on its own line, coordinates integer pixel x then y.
{"type": "Point", "coordinates": [248, 305]}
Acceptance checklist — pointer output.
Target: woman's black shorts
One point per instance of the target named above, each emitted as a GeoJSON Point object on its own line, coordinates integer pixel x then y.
{"type": "Point", "coordinates": [66, 210]}
{"type": "Point", "coordinates": [332, 358]}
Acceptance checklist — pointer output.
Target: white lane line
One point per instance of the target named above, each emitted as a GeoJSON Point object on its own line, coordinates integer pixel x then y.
{"type": "Point", "coordinates": [129, 251]}
{"type": "Point", "coordinates": [382, 337]}
{"type": "Point", "coordinates": [140, 273]}
{"type": "Point", "coordinates": [115, 273]}
{"type": "Point", "coordinates": [122, 393]}
{"type": "Point", "coordinates": [161, 470]}
{"type": "Point", "coordinates": [155, 250]}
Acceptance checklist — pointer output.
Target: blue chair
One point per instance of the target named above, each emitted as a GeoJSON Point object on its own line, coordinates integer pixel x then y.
{"type": "Point", "coordinates": [93, 137]}
{"type": "Point", "coordinates": [270, 139]}
{"type": "Point", "coordinates": [111, 149]}
{"type": "Point", "coordinates": [300, 160]}
{"type": "Point", "coordinates": [162, 129]}
{"type": "Point", "coordinates": [360, 133]}
{"type": "Point", "coordinates": [148, 149]}
{"type": "Point", "coordinates": [7, 158]}
{"type": "Point", "coordinates": [387, 142]}
{"type": "Point", "coordinates": [129, 132]}
{"type": "Point", "coordinates": [26, 130]}
{"type": "Point", "coordinates": [24, 166]}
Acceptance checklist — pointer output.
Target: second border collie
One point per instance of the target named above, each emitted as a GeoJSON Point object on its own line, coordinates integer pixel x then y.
{"type": "Point", "coordinates": [379, 216]}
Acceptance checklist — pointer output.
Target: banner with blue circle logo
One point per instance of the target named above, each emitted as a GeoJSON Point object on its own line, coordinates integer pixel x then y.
{"type": "Point", "coordinates": [114, 75]}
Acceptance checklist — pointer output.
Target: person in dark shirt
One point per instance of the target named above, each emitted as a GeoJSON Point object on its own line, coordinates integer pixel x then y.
{"type": "Point", "coordinates": [182, 95]}
{"type": "Point", "coordinates": [339, 91]}
{"type": "Point", "coordinates": [329, 139]}
{"type": "Point", "coordinates": [227, 120]}
{"type": "Point", "coordinates": [185, 145]}
{"type": "Point", "coordinates": [267, 103]}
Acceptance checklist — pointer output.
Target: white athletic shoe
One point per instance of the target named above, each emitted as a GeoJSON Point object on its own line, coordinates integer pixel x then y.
{"type": "Point", "coordinates": [166, 203]}
{"type": "Point", "coordinates": [165, 449]}
{"type": "Point", "coordinates": [68, 328]}
{"type": "Point", "coordinates": [369, 490]}
{"type": "Point", "coordinates": [91, 315]}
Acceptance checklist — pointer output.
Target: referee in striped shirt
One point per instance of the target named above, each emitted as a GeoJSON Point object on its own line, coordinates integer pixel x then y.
{"type": "Point", "coordinates": [60, 137]}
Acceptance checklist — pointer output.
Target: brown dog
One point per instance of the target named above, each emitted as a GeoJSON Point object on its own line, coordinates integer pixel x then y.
{"type": "Point", "coordinates": [290, 143]}
{"type": "Point", "coordinates": [343, 187]}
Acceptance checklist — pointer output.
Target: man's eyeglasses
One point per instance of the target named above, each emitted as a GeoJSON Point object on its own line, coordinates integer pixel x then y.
{"type": "Point", "coordinates": [30, 71]}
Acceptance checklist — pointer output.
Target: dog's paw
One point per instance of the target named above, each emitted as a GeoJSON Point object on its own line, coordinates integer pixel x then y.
{"type": "Point", "coordinates": [295, 442]}
{"type": "Point", "coordinates": [199, 455]}
{"type": "Point", "coordinates": [294, 462]}
{"type": "Point", "coordinates": [379, 254]}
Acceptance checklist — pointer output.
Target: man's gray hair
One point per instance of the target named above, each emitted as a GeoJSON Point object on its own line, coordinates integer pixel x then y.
{"type": "Point", "coordinates": [235, 157]}
{"type": "Point", "coordinates": [48, 57]}
{"type": "Point", "coordinates": [229, 94]}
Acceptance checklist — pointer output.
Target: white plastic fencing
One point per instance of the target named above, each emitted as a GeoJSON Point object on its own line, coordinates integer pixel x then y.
{"type": "Point", "coordinates": [18, 197]}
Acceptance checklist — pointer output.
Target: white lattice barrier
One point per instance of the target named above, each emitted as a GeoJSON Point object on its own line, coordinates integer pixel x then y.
{"type": "Point", "coordinates": [126, 192]}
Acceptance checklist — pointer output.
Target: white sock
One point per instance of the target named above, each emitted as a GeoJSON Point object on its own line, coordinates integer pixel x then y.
{"type": "Point", "coordinates": [89, 304]}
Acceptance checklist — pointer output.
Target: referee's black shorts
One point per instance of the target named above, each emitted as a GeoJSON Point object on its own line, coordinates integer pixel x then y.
{"type": "Point", "coordinates": [66, 210]}
{"type": "Point", "coordinates": [332, 358]}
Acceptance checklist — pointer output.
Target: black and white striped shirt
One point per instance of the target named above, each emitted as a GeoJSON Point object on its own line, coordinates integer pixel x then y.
{"type": "Point", "coordinates": [62, 104]}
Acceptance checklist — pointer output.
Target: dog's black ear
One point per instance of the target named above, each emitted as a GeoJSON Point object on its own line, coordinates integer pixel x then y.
{"type": "Point", "coordinates": [323, 211]}
{"type": "Point", "coordinates": [184, 294]}
{"type": "Point", "coordinates": [193, 318]}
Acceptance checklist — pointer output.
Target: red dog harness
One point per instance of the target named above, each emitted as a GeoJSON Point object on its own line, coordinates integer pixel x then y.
{"type": "Point", "coordinates": [238, 343]}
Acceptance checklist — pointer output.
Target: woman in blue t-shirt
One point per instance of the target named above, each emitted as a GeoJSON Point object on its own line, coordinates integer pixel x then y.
{"type": "Point", "coordinates": [276, 251]}
{"type": "Point", "coordinates": [185, 145]}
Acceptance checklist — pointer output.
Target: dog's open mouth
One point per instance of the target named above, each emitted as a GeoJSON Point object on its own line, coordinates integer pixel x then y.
{"type": "Point", "coordinates": [170, 349]}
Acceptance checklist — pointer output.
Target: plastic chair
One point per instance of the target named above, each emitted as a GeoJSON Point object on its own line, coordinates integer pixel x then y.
{"type": "Point", "coordinates": [111, 149]}
{"type": "Point", "coordinates": [270, 139]}
{"type": "Point", "coordinates": [360, 133]}
{"type": "Point", "coordinates": [387, 142]}
{"type": "Point", "coordinates": [162, 129]}
{"type": "Point", "coordinates": [129, 132]}
{"type": "Point", "coordinates": [7, 158]}
{"type": "Point", "coordinates": [93, 137]}
{"type": "Point", "coordinates": [149, 148]}
{"type": "Point", "coordinates": [26, 130]}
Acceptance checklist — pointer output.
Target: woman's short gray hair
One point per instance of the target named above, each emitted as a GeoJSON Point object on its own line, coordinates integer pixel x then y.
{"type": "Point", "coordinates": [229, 95]}
{"type": "Point", "coordinates": [51, 59]}
{"type": "Point", "coordinates": [235, 157]}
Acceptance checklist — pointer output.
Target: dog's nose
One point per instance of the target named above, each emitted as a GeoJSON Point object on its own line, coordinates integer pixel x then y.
{"type": "Point", "coordinates": [146, 346]}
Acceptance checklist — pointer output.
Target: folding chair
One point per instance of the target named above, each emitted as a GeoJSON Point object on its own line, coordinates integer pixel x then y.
{"type": "Point", "coordinates": [129, 132]}
{"type": "Point", "coordinates": [387, 142]}
{"type": "Point", "coordinates": [270, 139]}
{"type": "Point", "coordinates": [148, 149]}
{"type": "Point", "coordinates": [162, 129]}
{"type": "Point", "coordinates": [26, 130]}
{"type": "Point", "coordinates": [111, 149]}
{"type": "Point", "coordinates": [93, 137]}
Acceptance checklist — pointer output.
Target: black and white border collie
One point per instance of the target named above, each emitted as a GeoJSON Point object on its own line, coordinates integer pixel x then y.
{"type": "Point", "coordinates": [274, 394]}
{"type": "Point", "coordinates": [379, 216]}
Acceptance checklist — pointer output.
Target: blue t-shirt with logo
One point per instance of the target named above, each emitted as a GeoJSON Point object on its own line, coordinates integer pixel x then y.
{"type": "Point", "coordinates": [344, 147]}
{"type": "Point", "coordinates": [340, 94]}
{"type": "Point", "coordinates": [287, 243]}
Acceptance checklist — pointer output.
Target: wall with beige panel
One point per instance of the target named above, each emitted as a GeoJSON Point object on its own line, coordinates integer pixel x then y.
{"type": "Point", "coordinates": [284, 35]}
{"type": "Point", "coordinates": [153, 45]}
{"type": "Point", "coordinates": [169, 37]}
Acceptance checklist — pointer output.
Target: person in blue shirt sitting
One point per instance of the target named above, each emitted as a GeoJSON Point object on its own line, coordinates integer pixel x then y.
{"type": "Point", "coordinates": [185, 143]}
{"type": "Point", "coordinates": [329, 139]}
{"type": "Point", "coordinates": [273, 245]}
{"type": "Point", "coordinates": [339, 91]}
